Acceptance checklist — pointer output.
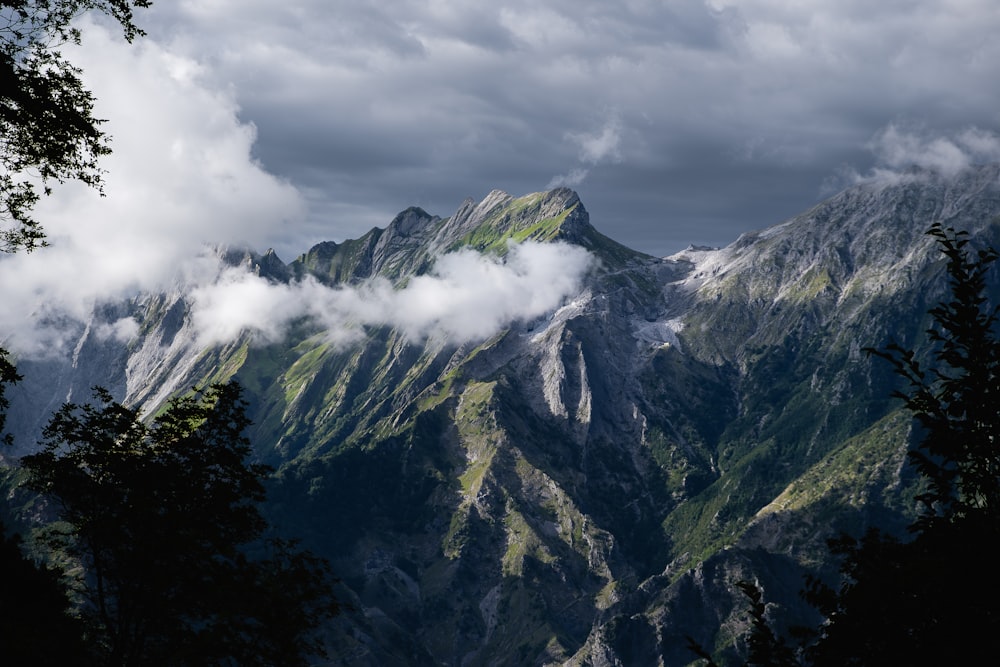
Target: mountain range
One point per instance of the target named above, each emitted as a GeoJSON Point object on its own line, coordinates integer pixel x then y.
{"type": "Point", "coordinates": [583, 484]}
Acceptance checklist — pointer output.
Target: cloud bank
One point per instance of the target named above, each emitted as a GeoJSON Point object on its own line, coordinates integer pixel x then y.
{"type": "Point", "coordinates": [182, 175]}
{"type": "Point", "coordinates": [183, 178]}
{"type": "Point", "coordinates": [284, 124]}
{"type": "Point", "coordinates": [467, 297]}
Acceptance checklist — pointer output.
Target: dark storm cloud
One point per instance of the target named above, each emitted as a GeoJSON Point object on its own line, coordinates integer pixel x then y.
{"type": "Point", "coordinates": [724, 116]}
{"type": "Point", "coordinates": [678, 121]}
{"type": "Point", "coordinates": [489, 97]}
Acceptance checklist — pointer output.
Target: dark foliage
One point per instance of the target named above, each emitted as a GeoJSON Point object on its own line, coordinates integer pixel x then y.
{"type": "Point", "coordinates": [764, 647]}
{"type": "Point", "coordinates": [956, 402]}
{"type": "Point", "coordinates": [164, 520]}
{"type": "Point", "coordinates": [47, 126]}
{"type": "Point", "coordinates": [36, 627]}
{"type": "Point", "coordinates": [930, 599]}
{"type": "Point", "coordinates": [8, 376]}
{"type": "Point", "coordinates": [35, 622]}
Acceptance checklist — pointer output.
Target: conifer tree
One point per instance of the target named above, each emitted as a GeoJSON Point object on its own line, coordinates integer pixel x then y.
{"type": "Point", "coordinates": [164, 520]}
{"type": "Point", "coordinates": [932, 599]}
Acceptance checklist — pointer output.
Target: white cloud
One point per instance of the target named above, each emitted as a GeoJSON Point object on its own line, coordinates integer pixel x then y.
{"type": "Point", "coordinates": [600, 146]}
{"type": "Point", "coordinates": [898, 148]}
{"type": "Point", "coordinates": [907, 152]}
{"type": "Point", "coordinates": [569, 180]}
{"type": "Point", "coordinates": [595, 148]}
{"type": "Point", "coordinates": [982, 145]}
{"type": "Point", "coordinates": [726, 116]}
{"type": "Point", "coordinates": [467, 297]}
{"type": "Point", "coordinates": [122, 330]}
{"type": "Point", "coordinates": [181, 176]}
{"type": "Point", "coordinates": [239, 300]}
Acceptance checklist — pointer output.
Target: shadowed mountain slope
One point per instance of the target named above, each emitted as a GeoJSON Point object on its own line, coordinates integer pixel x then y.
{"type": "Point", "coordinates": [582, 487]}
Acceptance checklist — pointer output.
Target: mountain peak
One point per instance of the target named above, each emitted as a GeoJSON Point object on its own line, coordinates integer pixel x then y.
{"type": "Point", "coordinates": [500, 218]}
{"type": "Point", "coordinates": [408, 244]}
{"type": "Point", "coordinates": [410, 220]}
{"type": "Point", "coordinates": [586, 485]}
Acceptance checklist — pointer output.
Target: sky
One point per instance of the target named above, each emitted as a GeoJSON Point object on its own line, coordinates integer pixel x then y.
{"type": "Point", "coordinates": [677, 121]}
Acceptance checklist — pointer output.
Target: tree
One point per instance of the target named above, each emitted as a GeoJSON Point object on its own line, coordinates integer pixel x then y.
{"type": "Point", "coordinates": [36, 627]}
{"type": "Point", "coordinates": [35, 623]}
{"type": "Point", "coordinates": [47, 128]}
{"type": "Point", "coordinates": [956, 402]}
{"type": "Point", "coordinates": [931, 600]}
{"type": "Point", "coordinates": [164, 520]}
{"type": "Point", "coordinates": [8, 376]}
{"type": "Point", "coordinates": [764, 647]}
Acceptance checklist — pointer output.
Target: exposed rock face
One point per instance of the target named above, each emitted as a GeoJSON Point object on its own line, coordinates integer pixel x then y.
{"type": "Point", "coordinates": [584, 488]}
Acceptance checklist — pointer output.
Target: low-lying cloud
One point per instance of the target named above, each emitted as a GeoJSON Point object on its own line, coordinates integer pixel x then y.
{"type": "Point", "coordinates": [182, 175]}
{"type": "Point", "coordinates": [907, 152]}
{"type": "Point", "coordinates": [183, 178]}
{"type": "Point", "coordinates": [467, 297]}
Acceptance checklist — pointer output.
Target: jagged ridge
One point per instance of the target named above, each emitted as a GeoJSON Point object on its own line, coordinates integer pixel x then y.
{"type": "Point", "coordinates": [566, 491]}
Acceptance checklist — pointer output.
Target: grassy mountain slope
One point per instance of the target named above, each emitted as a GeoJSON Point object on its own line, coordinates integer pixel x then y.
{"type": "Point", "coordinates": [584, 488]}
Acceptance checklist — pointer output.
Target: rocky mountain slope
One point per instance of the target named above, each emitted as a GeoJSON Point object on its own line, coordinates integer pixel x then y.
{"type": "Point", "coordinates": [582, 487]}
